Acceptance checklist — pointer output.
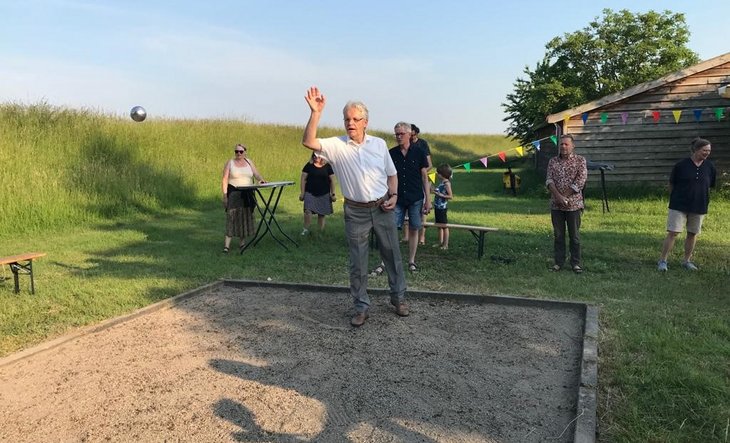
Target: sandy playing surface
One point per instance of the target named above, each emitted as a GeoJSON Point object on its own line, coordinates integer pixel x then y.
{"type": "Point", "coordinates": [263, 364]}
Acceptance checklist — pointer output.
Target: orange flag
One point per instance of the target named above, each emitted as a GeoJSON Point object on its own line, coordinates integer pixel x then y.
{"type": "Point", "coordinates": [502, 156]}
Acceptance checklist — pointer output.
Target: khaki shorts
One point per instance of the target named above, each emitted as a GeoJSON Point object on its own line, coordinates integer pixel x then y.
{"type": "Point", "coordinates": [677, 220]}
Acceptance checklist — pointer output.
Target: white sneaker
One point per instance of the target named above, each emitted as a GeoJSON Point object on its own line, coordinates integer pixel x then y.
{"type": "Point", "coordinates": [305, 231]}
{"type": "Point", "coordinates": [688, 265]}
{"type": "Point", "coordinates": [662, 266]}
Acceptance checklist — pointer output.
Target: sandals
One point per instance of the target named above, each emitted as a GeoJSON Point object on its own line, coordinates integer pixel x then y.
{"type": "Point", "coordinates": [412, 267]}
{"type": "Point", "coordinates": [377, 271]}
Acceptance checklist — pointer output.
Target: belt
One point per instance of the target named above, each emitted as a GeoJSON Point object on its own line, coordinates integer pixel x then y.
{"type": "Point", "coordinates": [371, 204]}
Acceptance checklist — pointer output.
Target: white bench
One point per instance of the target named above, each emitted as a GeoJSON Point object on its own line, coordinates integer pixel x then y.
{"type": "Point", "coordinates": [477, 231]}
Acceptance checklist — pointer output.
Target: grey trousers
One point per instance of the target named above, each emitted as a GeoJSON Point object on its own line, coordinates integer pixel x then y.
{"type": "Point", "coordinates": [560, 220]}
{"type": "Point", "coordinates": [358, 223]}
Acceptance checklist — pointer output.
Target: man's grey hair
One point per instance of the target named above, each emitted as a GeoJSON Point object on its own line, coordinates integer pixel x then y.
{"type": "Point", "coordinates": [403, 125]}
{"type": "Point", "coordinates": [360, 106]}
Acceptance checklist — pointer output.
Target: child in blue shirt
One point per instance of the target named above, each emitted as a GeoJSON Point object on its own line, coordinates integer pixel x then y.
{"type": "Point", "coordinates": [442, 195]}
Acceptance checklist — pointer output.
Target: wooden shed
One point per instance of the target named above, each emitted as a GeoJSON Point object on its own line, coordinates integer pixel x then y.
{"type": "Point", "coordinates": [644, 130]}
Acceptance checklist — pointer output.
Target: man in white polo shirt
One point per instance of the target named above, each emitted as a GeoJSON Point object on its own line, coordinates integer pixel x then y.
{"type": "Point", "coordinates": [369, 183]}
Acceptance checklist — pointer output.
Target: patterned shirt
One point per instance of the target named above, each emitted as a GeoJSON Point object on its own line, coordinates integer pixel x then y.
{"type": "Point", "coordinates": [440, 202]}
{"type": "Point", "coordinates": [569, 176]}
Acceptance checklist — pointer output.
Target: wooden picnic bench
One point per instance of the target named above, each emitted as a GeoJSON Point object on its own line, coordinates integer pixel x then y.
{"type": "Point", "coordinates": [477, 231]}
{"type": "Point", "coordinates": [22, 264]}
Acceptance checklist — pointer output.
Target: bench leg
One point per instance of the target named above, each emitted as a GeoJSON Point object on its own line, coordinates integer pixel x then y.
{"type": "Point", "coordinates": [30, 271]}
{"type": "Point", "coordinates": [15, 267]}
{"type": "Point", "coordinates": [479, 237]}
{"type": "Point", "coordinates": [26, 269]}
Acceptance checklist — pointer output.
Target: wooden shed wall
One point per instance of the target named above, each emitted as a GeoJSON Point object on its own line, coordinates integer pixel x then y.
{"type": "Point", "coordinates": [642, 150]}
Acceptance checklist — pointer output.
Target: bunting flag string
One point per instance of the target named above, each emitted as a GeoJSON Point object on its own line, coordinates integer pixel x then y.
{"type": "Point", "coordinates": [520, 150]}
{"type": "Point", "coordinates": [655, 115]}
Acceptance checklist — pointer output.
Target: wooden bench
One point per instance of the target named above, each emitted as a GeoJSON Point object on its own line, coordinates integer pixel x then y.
{"type": "Point", "coordinates": [477, 231]}
{"type": "Point", "coordinates": [22, 264]}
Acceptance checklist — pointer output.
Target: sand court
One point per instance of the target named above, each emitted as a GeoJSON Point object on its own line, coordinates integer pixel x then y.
{"type": "Point", "coordinates": [256, 362]}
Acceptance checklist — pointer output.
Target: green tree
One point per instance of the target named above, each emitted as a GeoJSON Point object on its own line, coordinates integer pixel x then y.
{"type": "Point", "coordinates": [614, 52]}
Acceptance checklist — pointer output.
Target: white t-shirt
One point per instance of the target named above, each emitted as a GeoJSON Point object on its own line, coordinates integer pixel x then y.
{"type": "Point", "coordinates": [362, 170]}
{"type": "Point", "coordinates": [242, 176]}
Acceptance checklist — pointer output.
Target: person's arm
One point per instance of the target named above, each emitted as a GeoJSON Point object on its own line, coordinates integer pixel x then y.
{"type": "Point", "coordinates": [333, 195]}
{"type": "Point", "coordinates": [224, 183]}
{"type": "Point", "coordinates": [426, 189]}
{"type": "Point", "coordinates": [316, 102]}
{"type": "Point", "coordinates": [392, 199]}
{"type": "Point", "coordinates": [255, 172]}
{"type": "Point", "coordinates": [303, 185]}
{"type": "Point", "coordinates": [580, 179]}
{"type": "Point", "coordinates": [558, 198]}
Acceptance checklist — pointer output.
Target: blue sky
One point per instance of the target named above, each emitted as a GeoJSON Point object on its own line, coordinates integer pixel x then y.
{"type": "Point", "coordinates": [445, 66]}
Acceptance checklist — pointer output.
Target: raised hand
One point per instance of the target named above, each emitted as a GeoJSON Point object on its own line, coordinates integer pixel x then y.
{"type": "Point", "coordinates": [315, 99]}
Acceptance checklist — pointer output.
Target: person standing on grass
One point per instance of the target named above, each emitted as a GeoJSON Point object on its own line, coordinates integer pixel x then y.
{"type": "Point", "coordinates": [317, 191]}
{"type": "Point", "coordinates": [413, 191]}
{"type": "Point", "coordinates": [239, 204]}
{"type": "Point", "coordinates": [420, 143]}
{"type": "Point", "coordinates": [369, 184]}
{"type": "Point", "coordinates": [566, 177]}
{"type": "Point", "coordinates": [689, 198]}
{"type": "Point", "coordinates": [442, 195]}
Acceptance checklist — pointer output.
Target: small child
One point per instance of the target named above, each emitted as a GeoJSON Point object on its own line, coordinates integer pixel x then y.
{"type": "Point", "coordinates": [442, 194]}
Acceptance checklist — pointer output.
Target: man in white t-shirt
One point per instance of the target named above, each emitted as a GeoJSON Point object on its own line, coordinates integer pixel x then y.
{"type": "Point", "coordinates": [369, 183]}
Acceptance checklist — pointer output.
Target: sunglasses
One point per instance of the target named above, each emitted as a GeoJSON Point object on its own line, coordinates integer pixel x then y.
{"type": "Point", "coordinates": [239, 152]}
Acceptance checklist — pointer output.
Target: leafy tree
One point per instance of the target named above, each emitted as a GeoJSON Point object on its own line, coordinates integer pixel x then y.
{"type": "Point", "coordinates": [612, 53]}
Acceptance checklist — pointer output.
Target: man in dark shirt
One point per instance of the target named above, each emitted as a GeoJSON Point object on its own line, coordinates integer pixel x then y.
{"type": "Point", "coordinates": [413, 187]}
{"type": "Point", "coordinates": [421, 144]}
{"type": "Point", "coordinates": [689, 187]}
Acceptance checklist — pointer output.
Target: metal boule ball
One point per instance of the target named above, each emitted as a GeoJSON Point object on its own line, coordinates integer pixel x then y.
{"type": "Point", "coordinates": [138, 114]}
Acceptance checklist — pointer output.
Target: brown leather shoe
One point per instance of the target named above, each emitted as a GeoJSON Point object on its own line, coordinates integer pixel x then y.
{"type": "Point", "coordinates": [359, 319]}
{"type": "Point", "coordinates": [401, 309]}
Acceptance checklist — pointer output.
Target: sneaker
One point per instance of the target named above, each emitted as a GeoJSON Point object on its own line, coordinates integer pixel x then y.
{"type": "Point", "coordinates": [662, 266]}
{"type": "Point", "coordinates": [305, 231]}
{"type": "Point", "coordinates": [688, 265]}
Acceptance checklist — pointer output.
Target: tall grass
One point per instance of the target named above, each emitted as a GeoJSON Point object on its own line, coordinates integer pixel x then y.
{"type": "Point", "coordinates": [130, 213]}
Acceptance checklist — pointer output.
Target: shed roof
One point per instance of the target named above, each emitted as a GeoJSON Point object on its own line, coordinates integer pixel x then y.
{"type": "Point", "coordinates": [638, 89]}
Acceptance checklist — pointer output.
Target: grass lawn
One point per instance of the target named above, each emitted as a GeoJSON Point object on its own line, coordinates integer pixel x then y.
{"type": "Point", "coordinates": [156, 230]}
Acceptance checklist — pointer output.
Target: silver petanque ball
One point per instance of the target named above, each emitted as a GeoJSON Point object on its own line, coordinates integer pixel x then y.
{"type": "Point", "coordinates": [138, 114]}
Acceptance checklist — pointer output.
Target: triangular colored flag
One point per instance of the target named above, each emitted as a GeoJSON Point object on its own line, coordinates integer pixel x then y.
{"type": "Point", "coordinates": [554, 139]}
{"type": "Point", "coordinates": [677, 115]}
{"type": "Point", "coordinates": [647, 113]}
{"type": "Point", "coordinates": [566, 119]}
{"type": "Point", "coordinates": [624, 117]}
{"type": "Point", "coordinates": [604, 117]}
{"type": "Point", "coordinates": [584, 117]}
{"type": "Point", "coordinates": [536, 145]}
{"type": "Point", "coordinates": [502, 156]}
{"type": "Point", "coordinates": [698, 114]}
{"type": "Point", "coordinates": [719, 113]}
{"type": "Point", "coordinates": [484, 161]}
{"type": "Point", "coordinates": [467, 166]}
{"type": "Point", "coordinates": [520, 151]}
{"type": "Point", "coordinates": [655, 115]}
{"type": "Point", "coordinates": [432, 177]}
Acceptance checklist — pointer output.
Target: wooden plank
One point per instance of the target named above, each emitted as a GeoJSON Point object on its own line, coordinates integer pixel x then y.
{"type": "Point", "coordinates": [455, 226]}
{"type": "Point", "coordinates": [21, 257]}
